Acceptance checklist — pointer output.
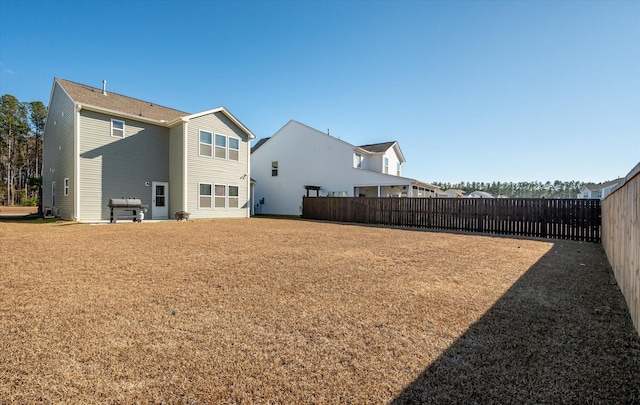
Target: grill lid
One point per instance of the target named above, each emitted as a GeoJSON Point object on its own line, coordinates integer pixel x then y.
{"type": "Point", "coordinates": [125, 203]}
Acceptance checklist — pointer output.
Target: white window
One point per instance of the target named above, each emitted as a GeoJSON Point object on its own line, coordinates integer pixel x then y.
{"type": "Point", "coordinates": [398, 167]}
{"type": "Point", "coordinates": [206, 143]}
{"type": "Point", "coordinates": [66, 187]}
{"type": "Point", "coordinates": [117, 128]}
{"type": "Point", "coordinates": [221, 196]}
{"type": "Point", "coordinates": [226, 147]}
{"type": "Point", "coordinates": [221, 146]}
{"type": "Point", "coordinates": [234, 149]}
{"type": "Point", "coordinates": [274, 169]}
{"type": "Point", "coordinates": [386, 165]}
{"type": "Point", "coordinates": [224, 196]}
{"type": "Point", "coordinates": [53, 193]}
{"type": "Point", "coordinates": [233, 197]}
{"type": "Point", "coordinates": [357, 160]}
{"type": "Point", "coordinates": [204, 195]}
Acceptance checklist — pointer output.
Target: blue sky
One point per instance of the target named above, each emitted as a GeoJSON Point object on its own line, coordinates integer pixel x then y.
{"type": "Point", "coordinates": [471, 90]}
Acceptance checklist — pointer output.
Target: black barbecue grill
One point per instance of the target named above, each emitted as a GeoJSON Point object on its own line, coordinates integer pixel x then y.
{"type": "Point", "coordinates": [118, 205]}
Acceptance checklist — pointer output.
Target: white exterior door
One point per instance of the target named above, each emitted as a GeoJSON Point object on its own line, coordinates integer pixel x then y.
{"type": "Point", "coordinates": [160, 200]}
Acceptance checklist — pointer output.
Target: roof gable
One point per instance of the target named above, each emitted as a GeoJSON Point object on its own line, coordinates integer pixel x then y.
{"type": "Point", "coordinates": [371, 148]}
{"type": "Point", "coordinates": [378, 147]}
{"type": "Point", "coordinates": [221, 110]}
{"type": "Point", "coordinates": [293, 126]}
{"type": "Point", "coordinates": [383, 147]}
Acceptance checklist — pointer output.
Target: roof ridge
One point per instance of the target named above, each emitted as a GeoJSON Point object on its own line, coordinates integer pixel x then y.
{"type": "Point", "coordinates": [122, 95]}
{"type": "Point", "coordinates": [378, 143]}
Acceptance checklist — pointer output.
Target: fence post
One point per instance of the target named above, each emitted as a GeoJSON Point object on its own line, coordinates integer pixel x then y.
{"type": "Point", "coordinates": [545, 213]}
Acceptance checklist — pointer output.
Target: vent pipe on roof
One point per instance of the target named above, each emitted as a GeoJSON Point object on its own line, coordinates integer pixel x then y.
{"type": "Point", "coordinates": [104, 87]}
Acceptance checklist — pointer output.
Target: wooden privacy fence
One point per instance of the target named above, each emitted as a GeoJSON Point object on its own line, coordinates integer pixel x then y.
{"type": "Point", "coordinates": [621, 239]}
{"type": "Point", "coordinates": [576, 219]}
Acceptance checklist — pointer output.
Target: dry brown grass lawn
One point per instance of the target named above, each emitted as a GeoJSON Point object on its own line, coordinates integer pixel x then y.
{"type": "Point", "coordinates": [284, 311]}
{"type": "Point", "coordinates": [16, 210]}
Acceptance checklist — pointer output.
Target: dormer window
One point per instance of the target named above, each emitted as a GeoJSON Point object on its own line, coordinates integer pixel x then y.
{"type": "Point", "coordinates": [357, 161]}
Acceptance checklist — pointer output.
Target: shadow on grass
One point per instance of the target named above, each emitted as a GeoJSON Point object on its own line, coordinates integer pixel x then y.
{"type": "Point", "coordinates": [28, 218]}
{"type": "Point", "coordinates": [561, 334]}
{"type": "Point", "coordinates": [273, 216]}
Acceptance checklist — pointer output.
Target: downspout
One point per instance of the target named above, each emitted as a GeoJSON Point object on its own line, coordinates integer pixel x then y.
{"type": "Point", "coordinates": [185, 155]}
{"type": "Point", "coordinates": [248, 179]}
{"type": "Point", "coordinates": [76, 165]}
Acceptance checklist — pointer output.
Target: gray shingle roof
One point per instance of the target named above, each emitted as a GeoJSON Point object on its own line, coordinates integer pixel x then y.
{"type": "Point", "coordinates": [600, 186]}
{"type": "Point", "coordinates": [259, 144]}
{"type": "Point", "coordinates": [88, 95]}
{"type": "Point", "coordinates": [378, 147]}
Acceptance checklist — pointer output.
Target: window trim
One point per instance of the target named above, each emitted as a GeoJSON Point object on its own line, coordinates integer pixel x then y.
{"type": "Point", "coordinates": [357, 163]}
{"type": "Point", "coordinates": [200, 207]}
{"type": "Point", "coordinates": [215, 146]}
{"type": "Point", "coordinates": [227, 146]}
{"type": "Point", "coordinates": [386, 165]}
{"type": "Point", "coordinates": [113, 120]}
{"type": "Point", "coordinates": [274, 169]}
{"type": "Point", "coordinates": [215, 207]}
{"type": "Point", "coordinates": [229, 149]}
{"type": "Point", "coordinates": [200, 143]}
{"type": "Point", "coordinates": [229, 196]}
{"type": "Point", "coordinates": [66, 187]}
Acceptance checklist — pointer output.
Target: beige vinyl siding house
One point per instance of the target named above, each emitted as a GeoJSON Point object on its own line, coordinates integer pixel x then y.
{"type": "Point", "coordinates": [116, 167]}
{"type": "Point", "coordinates": [59, 152]}
{"type": "Point", "coordinates": [177, 163]}
{"type": "Point", "coordinates": [226, 166]}
{"type": "Point", "coordinates": [113, 146]}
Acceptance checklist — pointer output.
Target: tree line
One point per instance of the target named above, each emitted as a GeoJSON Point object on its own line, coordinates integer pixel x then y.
{"type": "Point", "coordinates": [523, 189]}
{"type": "Point", "coordinates": [21, 129]}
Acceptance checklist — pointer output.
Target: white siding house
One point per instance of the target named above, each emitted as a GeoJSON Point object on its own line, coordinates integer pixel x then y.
{"type": "Point", "coordinates": [299, 160]}
{"type": "Point", "coordinates": [455, 193]}
{"type": "Point", "coordinates": [100, 145]}
{"type": "Point", "coordinates": [479, 194]}
{"type": "Point", "coordinates": [600, 190]}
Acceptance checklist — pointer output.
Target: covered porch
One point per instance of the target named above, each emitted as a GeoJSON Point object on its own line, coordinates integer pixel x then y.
{"type": "Point", "coordinates": [409, 189]}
